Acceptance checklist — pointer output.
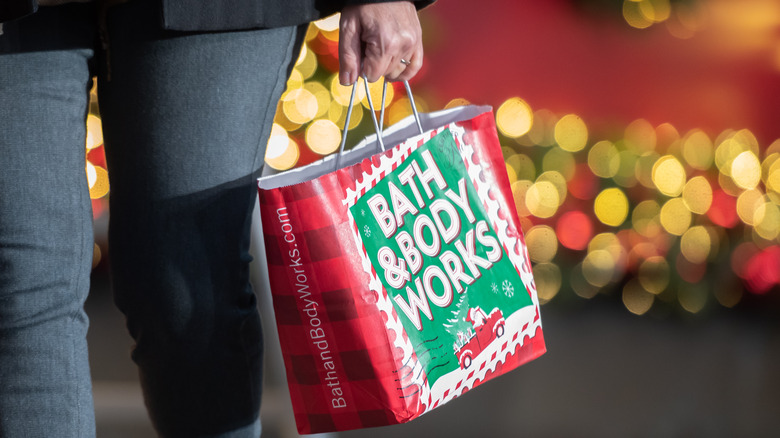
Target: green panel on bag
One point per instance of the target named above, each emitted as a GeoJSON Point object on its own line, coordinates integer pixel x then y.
{"type": "Point", "coordinates": [434, 249]}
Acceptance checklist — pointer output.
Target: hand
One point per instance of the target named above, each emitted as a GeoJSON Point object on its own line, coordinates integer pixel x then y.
{"type": "Point", "coordinates": [378, 36]}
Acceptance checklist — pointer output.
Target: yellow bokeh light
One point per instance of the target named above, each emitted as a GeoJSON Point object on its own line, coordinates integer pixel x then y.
{"type": "Point", "coordinates": [282, 152]}
{"type": "Point", "coordinates": [693, 297]}
{"type": "Point", "coordinates": [645, 218]}
{"type": "Point", "coordinates": [675, 216]}
{"type": "Point", "coordinates": [768, 164]}
{"type": "Point", "coordinates": [514, 117]}
{"type": "Point", "coordinates": [299, 105]}
{"type": "Point", "coordinates": [542, 243]}
{"type": "Point", "coordinates": [644, 169]}
{"type": "Point", "coordinates": [306, 64]}
{"type": "Point", "coordinates": [669, 175]}
{"type": "Point", "coordinates": [746, 170]}
{"type": "Point", "coordinates": [773, 181]}
{"type": "Point", "coordinates": [329, 24]}
{"type": "Point", "coordinates": [611, 207]}
{"type": "Point", "coordinates": [654, 274]}
{"type": "Point", "coordinates": [323, 136]}
{"type": "Point", "coordinates": [695, 244]}
{"type": "Point", "coordinates": [341, 93]}
{"type": "Point", "coordinates": [321, 94]}
{"type": "Point", "coordinates": [510, 173]}
{"type": "Point", "coordinates": [748, 204]}
{"type": "Point", "coordinates": [542, 132]}
{"type": "Point", "coordinates": [767, 220]}
{"type": "Point", "coordinates": [375, 88]}
{"type": "Point", "coordinates": [598, 267]}
{"type": "Point", "coordinates": [697, 150]}
{"type": "Point", "coordinates": [571, 134]}
{"type": "Point", "coordinates": [295, 80]}
{"type": "Point", "coordinates": [548, 281]}
{"type": "Point", "coordinates": [626, 174]}
{"type": "Point", "coordinates": [557, 180]}
{"type": "Point", "coordinates": [580, 285]}
{"type": "Point", "coordinates": [632, 13]}
{"type": "Point", "coordinates": [94, 131]}
{"type": "Point", "coordinates": [97, 178]}
{"type": "Point", "coordinates": [640, 137]}
{"type": "Point", "coordinates": [697, 194]}
{"type": "Point", "coordinates": [636, 299]}
{"type": "Point", "coordinates": [454, 103]}
{"type": "Point", "coordinates": [542, 199]}
{"type": "Point", "coordinates": [603, 159]}
{"type": "Point", "coordinates": [519, 191]}
{"type": "Point", "coordinates": [523, 166]}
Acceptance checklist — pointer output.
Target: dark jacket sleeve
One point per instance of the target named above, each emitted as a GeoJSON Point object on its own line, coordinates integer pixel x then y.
{"type": "Point", "coordinates": [214, 15]}
{"type": "Point", "coordinates": [13, 9]}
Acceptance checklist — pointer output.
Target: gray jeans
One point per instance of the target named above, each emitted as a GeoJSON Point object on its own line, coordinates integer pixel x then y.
{"type": "Point", "coordinates": [186, 118]}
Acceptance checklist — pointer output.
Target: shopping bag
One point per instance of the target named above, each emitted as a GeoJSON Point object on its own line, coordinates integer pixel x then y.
{"type": "Point", "coordinates": [400, 278]}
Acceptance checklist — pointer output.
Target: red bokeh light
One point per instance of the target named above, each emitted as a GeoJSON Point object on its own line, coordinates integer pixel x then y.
{"type": "Point", "coordinates": [574, 230]}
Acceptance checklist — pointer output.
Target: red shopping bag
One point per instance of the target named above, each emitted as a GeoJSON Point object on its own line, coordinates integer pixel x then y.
{"type": "Point", "coordinates": [400, 278]}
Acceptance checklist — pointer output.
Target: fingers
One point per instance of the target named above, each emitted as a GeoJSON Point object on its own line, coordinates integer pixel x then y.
{"type": "Point", "coordinates": [350, 51]}
{"type": "Point", "coordinates": [387, 33]}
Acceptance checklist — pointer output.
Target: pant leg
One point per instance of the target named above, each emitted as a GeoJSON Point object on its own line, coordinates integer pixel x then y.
{"type": "Point", "coordinates": [186, 118]}
{"type": "Point", "coordinates": [45, 225]}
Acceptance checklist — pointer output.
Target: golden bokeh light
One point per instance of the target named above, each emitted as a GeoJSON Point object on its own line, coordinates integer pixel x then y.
{"type": "Point", "coordinates": [282, 152]}
{"type": "Point", "coordinates": [322, 95]}
{"type": "Point", "coordinates": [675, 216]}
{"type": "Point", "coordinates": [523, 166]}
{"type": "Point", "coordinates": [329, 24]}
{"type": "Point", "coordinates": [697, 150]}
{"type": "Point", "coordinates": [519, 192]}
{"type": "Point", "coordinates": [580, 285]}
{"type": "Point", "coordinates": [454, 103]}
{"type": "Point", "coordinates": [644, 169]}
{"type": "Point", "coordinates": [748, 204]}
{"type": "Point", "coordinates": [640, 137]}
{"type": "Point", "coordinates": [669, 175]}
{"type": "Point", "coordinates": [542, 132]}
{"type": "Point", "coordinates": [695, 244]}
{"type": "Point", "coordinates": [97, 178]}
{"type": "Point", "coordinates": [376, 88]}
{"type": "Point", "coordinates": [306, 64]}
{"type": "Point", "coordinates": [611, 207]}
{"type": "Point", "coordinates": [542, 243]}
{"type": "Point", "coordinates": [692, 297]}
{"type": "Point", "coordinates": [626, 174]}
{"type": "Point", "coordinates": [341, 93]}
{"type": "Point", "coordinates": [598, 267]}
{"type": "Point", "coordinates": [557, 180]}
{"type": "Point", "coordinates": [767, 220]}
{"type": "Point", "coordinates": [603, 159]}
{"type": "Point", "coordinates": [323, 136]}
{"type": "Point", "coordinates": [571, 133]}
{"type": "Point", "coordinates": [94, 132]}
{"type": "Point", "coordinates": [299, 105]}
{"type": "Point", "coordinates": [636, 299]}
{"type": "Point", "coordinates": [514, 117]}
{"type": "Point", "coordinates": [548, 281]}
{"type": "Point", "coordinates": [654, 274]}
{"type": "Point", "coordinates": [746, 170]}
{"type": "Point", "coordinates": [697, 195]}
{"type": "Point", "coordinates": [542, 199]}
{"type": "Point", "coordinates": [646, 218]}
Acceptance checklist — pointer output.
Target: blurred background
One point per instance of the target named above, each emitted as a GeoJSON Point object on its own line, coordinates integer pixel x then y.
{"type": "Point", "coordinates": [642, 140]}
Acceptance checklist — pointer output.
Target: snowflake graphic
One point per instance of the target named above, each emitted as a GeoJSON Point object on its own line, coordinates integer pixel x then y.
{"type": "Point", "coordinates": [508, 289]}
{"type": "Point", "coordinates": [362, 211]}
{"type": "Point", "coordinates": [366, 231]}
{"type": "Point", "coordinates": [494, 287]}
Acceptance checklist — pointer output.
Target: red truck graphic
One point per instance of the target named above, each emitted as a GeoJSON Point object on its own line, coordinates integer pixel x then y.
{"type": "Point", "coordinates": [487, 328]}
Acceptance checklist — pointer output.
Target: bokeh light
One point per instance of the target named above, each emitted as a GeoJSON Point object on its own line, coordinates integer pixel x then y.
{"type": "Point", "coordinates": [571, 134]}
{"type": "Point", "coordinates": [611, 207]}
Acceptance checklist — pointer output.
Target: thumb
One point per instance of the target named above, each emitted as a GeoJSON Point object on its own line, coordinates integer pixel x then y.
{"type": "Point", "coordinates": [350, 50]}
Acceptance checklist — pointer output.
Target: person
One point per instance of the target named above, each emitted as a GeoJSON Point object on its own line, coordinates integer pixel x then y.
{"type": "Point", "coordinates": [188, 91]}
